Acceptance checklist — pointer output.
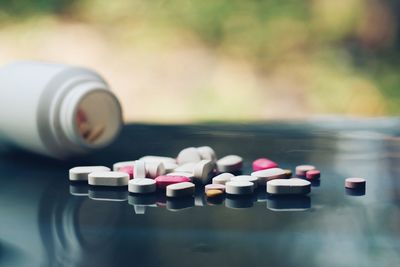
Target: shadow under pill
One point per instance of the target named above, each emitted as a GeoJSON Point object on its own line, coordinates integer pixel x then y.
{"type": "Point", "coordinates": [239, 202]}
{"type": "Point", "coordinates": [288, 203]}
{"type": "Point", "coordinates": [182, 203]}
{"type": "Point", "coordinates": [107, 193]}
{"type": "Point", "coordinates": [355, 192]}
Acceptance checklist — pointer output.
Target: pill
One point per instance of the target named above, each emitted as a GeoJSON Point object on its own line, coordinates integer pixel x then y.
{"type": "Point", "coordinates": [158, 159]}
{"type": "Point", "coordinates": [95, 133]}
{"type": "Point", "coordinates": [301, 170]}
{"type": "Point", "coordinates": [239, 187]}
{"type": "Point", "coordinates": [288, 173]}
{"type": "Point", "coordinates": [263, 164]}
{"type": "Point", "coordinates": [230, 163]}
{"type": "Point", "coordinates": [139, 169]}
{"type": "Point", "coordinates": [214, 193]}
{"type": "Point", "coordinates": [293, 186]}
{"type": "Point", "coordinates": [185, 174]}
{"type": "Point", "coordinates": [190, 154]}
{"type": "Point", "coordinates": [313, 175]}
{"type": "Point", "coordinates": [170, 167]}
{"type": "Point", "coordinates": [142, 185]}
{"type": "Point", "coordinates": [222, 178]}
{"type": "Point", "coordinates": [154, 169]}
{"type": "Point", "coordinates": [81, 173]}
{"type": "Point", "coordinates": [128, 170]}
{"type": "Point", "coordinates": [214, 187]}
{"type": "Point", "coordinates": [180, 189]}
{"type": "Point", "coordinates": [355, 183]}
{"type": "Point", "coordinates": [269, 174]}
{"type": "Point", "coordinates": [208, 153]}
{"type": "Point", "coordinates": [164, 180]}
{"type": "Point", "coordinates": [248, 178]}
{"type": "Point", "coordinates": [108, 178]}
{"type": "Point", "coordinates": [187, 167]}
{"type": "Point", "coordinates": [119, 165]}
{"type": "Point", "coordinates": [202, 170]}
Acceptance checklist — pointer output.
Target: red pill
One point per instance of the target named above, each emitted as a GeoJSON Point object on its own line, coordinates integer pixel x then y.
{"type": "Point", "coordinates": [128, 170]}
{"type": "Point", "coordinates": [263, 164]}
{"type": "Point", "coordinates": [313, 175]}
{"type": "Point", "coordinates": [355, 183]}
{"type": "Point", "coordinates": [163, 181]}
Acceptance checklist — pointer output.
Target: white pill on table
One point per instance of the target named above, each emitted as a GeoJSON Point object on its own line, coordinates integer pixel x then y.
{"type": "Point", "coordinates": [185, 174]}
{"type": "Point", "coordinates": [142, 185]}
{"type": "Point", "coordinates": [139, 169]}
{"type": "Point", "coordinates": [202, 170]}
{"type": "Point", "coordinates": [158, 159]}
{"type": "Point", "coordinates": [81, 173]}
{"type": "Point", "coordinates": [118, 165]}
{"type": "Point", "coordinates": [269, 174]}
{"type": "Point", "coordinates": [190, 154]}
{"type": "Point", "coordinates": [302, 170]}
{"type": "Point", "coordinates": [180, 189]}
{"type": "Point", "coordinates": [239, 187]}
{"type": "Point", "coordinates": [108, 178]}
{"type": "Point", "coordinates": [222, 178]}
{"type": "Point", "coordinates": [187, 167]}
{"type": "Point", "coordinates": [154, 169]}
{"type": "Point", "coordinates": [230, 163]}
{"type": "Point", "coordinates": [248, 178]}
{"type": "Point", "coordinates": [292, 186]}
{"type": "Point", "coordinates": [208, 153]}
{"type": "Point", "coordinates": [170, 167]}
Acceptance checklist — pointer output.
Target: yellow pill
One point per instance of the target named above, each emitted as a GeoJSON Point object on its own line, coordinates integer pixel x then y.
{"type": "Point", "coordinates": [214, 193]}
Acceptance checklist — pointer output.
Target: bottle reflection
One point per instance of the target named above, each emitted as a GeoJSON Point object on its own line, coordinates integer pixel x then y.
{"type": "Point", "coordinates": [289, 203]}
{"type": "Point", "coordinates": [239, 202]}
{"type": "Point", "coordinates": [140, 202]}
{"type": "Point", "coordinates": [108, 193]}
{"type": "Point", "coordinates": [178, 204]}
{"type": "Point", "coordinates": [80, 189]}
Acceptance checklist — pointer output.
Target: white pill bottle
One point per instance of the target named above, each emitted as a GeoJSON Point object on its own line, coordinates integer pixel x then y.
{"type": "Point", "coordinates": [56, 110]}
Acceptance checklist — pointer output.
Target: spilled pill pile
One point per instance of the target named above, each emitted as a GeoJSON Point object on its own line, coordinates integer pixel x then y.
{"type": "Point", "coordinates": [197, 167]}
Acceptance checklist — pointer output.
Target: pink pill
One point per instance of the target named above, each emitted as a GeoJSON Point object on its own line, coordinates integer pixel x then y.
{"type": "Point", "coordinates": [128, 170]}
{"type": "Point", "coordinates": [313, 175]}
{"type": "Point", "coordinates": [163, 181]}
{"type": "Point", "coordinates": [263, 164]}
{"type": "Point", "coordinates": [355, 183]}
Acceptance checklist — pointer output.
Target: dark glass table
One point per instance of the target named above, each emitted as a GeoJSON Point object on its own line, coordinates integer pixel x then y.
{"type": "Point", "coordinates": [46, 221]}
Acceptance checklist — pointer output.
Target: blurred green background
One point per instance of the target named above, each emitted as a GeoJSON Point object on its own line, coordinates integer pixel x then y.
{"type": "Point", "coordinates": [214, 60]}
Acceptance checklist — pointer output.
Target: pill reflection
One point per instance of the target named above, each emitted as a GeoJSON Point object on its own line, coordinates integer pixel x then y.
{"type": "Point", "coordinates": [178, 204]}
{"type": "Point", "coordinates": [315, 183]}
{"type": "Point", "coordinates": [80, 189]}
{"type": "Point", "coordinates": [355, 192]}
{"type": "Point", "coordinates": [289, 203]}
{"type": "Point", "coordinates": [217, 200]}
{"type": "Point", "coordinates": [140, 202]}
{"type": "Point", "coordinates": [108, 193]}
{"type": "Point", "coordinates": [239, 202]}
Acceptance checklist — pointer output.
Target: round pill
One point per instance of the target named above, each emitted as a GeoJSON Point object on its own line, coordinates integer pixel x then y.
{"type": "Point", "coordinates": [202, 170]}
{"type": "Point", "coordinates": [119, 165]}
{"type": "Point", "coordinates": [239, 187]}
{"type": "Point", "coordinates": [214, 187]}
{"type": "Point", "coordinates": [263, 164]}
{"type": "Point", "coordinates": [208, 153]}
{"type": "Point", "coordinates": [248, 178]}
{"type": "Point", "coordinates": [293, 186]}
{"type": "Point", "coordinates": [214, 193]}
{"type": "Point", "coordinates": [139, 169]}
{"type": "Point", "coordinates": [81, 173]}
{"type": "Point", "coordinates": [164, 180]}
{"type": "Point", "coordinates": [269, 174]}
{"type": "Point", "coordinates": [164, 160]}
{"type": "Point", "coordinates": [108, 178]}
{"type": "Point", "coordinates": [301, 170]}
{"type": "Point", "coordinates": [230, 163]}
{"type": "Point", "coordinates": [190, 154]}
{"type": "Point", "coordinates": [154, 169]}
{"type": "Point", "coordinates": [142, 185]}
{"type": "Point", "coordinates": [355, 183]}
{"type": "Point", "coordinates": [128, 170]}
{"type": "Point", "coordinates": [180, 189]}
{"type": "Point", "coordinates": [313, 175]}
{"type": "Point", "coordinates": [222, 178]}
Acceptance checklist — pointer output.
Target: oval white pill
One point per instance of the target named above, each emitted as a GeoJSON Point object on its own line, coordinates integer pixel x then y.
{"type": "Point", "coordinates": [239, 187]}
{"type": "Point", "coordinates": [170, 167]}
{"type": "Point", "coordinates": [190, 154]}
{"type": "Point", "coordinates": [142, 186]}
{"type": "Point", "coordinates": [293, 186]}
{"type": "Point", "coordinates": [269, 174]}
{"type": "Point", "coordinates": [208, 153]}
{"type": "Point", "coordinates": [180, 189]}
{"type": "Point", "coordinates": [187, 167]}
{"type": "Point", "coordinates": [108, 178]}
{"type": "Point", "coordinates": [158, 159]}
{"type": "Point", "coordinates": [202, 170]}
{"type": "Point", "coordinates": [230, 163]}
{"type": "Point", "coordinates": [248, 178]}
{"type": "Point", "coordinates": [81, 173]}
{"type": "Point", "coordinates": [154, 169]}
{"type": "Point", "coordinates": [222, 178]}
{"type": "Point", "coordinates": [139, 169]}
{"type": "Point", "coordinates": [118, 165]}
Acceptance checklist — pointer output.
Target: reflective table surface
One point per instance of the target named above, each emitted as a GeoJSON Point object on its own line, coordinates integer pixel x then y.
{"type": "Point", "coordinates": [47, 221]}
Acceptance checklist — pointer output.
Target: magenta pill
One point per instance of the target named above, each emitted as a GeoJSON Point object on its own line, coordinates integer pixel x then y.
{"type": "Point", "coordinates": [263, 164]}
{"type": "Point", "coordinates": [355, 183]}
{"type": "Point", "coordinates": [313, 175]}
{"type": "Point", "coordinates": [163, 181]}
{"type": "Point", "coordinates": [128, 170]}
